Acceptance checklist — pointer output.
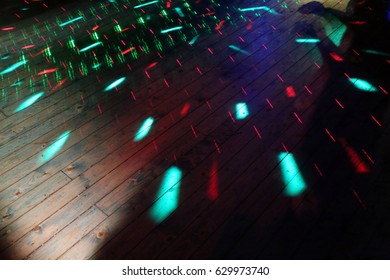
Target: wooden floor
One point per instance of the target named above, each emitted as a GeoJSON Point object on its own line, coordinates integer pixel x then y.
{"type": "Point", "coordinates": [260, 147]}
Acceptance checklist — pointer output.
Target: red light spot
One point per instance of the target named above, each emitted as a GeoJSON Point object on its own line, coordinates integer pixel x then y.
{"type": "Point", "coordinates": [336, 57]}
{"type": "Point", "coordinates": [213, 191]}
{"type": "Point", "coordinates": [185, 109]}
{"type": "Point", "coordinates": [290, 92]}
{"type": "Point", "coordinates": [357, 162]}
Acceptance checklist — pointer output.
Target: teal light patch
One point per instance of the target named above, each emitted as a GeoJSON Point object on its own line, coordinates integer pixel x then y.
{"type": "Point", "coordinates": [91, 46]}
{"type": "Point", "coordinates": [264, 8]}
{"type": "Point", "coordinates": [115, 84]}
{"type": "Point", "coordinates": [179, 11]}
{"type": "Point", "coordinates": [144, 130]}
{"type": "Point", "coordinates": [362, 85]}
{"type": "Point", "coordinates": [30, 101]}
{"type": "Point", "coordinates": [307, 41]}
{"type": "Point", "coordinates": [194, 40]}
{"type": "Point", "coordinates": [292, 178]}
{"type": "Point", "coordinates": [167, 196]}
{"type": "Point", "coordinates": [13, 67]}
{"type": "Point", "coordinates": [171, 29]}
{"type": "Point", "coordinates": [70, 21]}
{"type": "Point", "coordinates": [241, 111]}
{"type": "Point", "coordinates": [233, 47]}
{"type": "Point", "coordinates": [54, 148]}
{"type": "Point", "coordinates": [334, 29]}
{"type": "Point", "coordinates": [145, 4]}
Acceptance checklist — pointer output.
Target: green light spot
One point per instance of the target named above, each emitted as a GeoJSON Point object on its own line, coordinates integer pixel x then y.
{"type": "Point", "coordinates": [144, 130]}
{"type": "Point", "coordinates": [292, 178]}
{"type": "Point", "coordinates": [241, 111]}
{"type": "Point", "coordinates": [167, 196]}
{"type": "Point", "coordinates": [363, 85]}
{"type": "Point", "coordinates": [54, 148]}
{"type": "Point", "coordinates": [30, 101]}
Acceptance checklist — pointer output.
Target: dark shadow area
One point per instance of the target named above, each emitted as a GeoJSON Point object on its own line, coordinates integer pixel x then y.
{"type": "Point", "coordinates": [343, 214]}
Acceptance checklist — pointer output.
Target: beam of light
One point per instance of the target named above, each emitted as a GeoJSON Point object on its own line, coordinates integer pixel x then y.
{"type": "Point", "coordinates": [5, 57]}
{"type": "Point", "coordinates": [144, 129]}
{"type": "Point", "coordinates": [355, 159]}
{"type": "Point", "coordinates": [213, 191]}
{"type": "Point", "coordinates": [18, 83]}
{"type": "Point", "coordinates": [91, 46]}
{"type": "Point", "coordinates": [8, 28]}
{"type": "Point", "coordinates": [145, 4]}
{"type": "Point", "coordinates": [335, 30]}
{"type": "Point", "coordinates": [47, 71]}
{"type": "Point", "coordinates": [265, 8]}
{"type": "Point", "coordinates": [13, 67]}
{"type": "Point", "coordinates": [239, 50]}
{"type": "Point", "coordinates": [70, 21]}
{"type": "Point", "coordinates": [363, 85]}
{"type": "Point", "coordinates": [115, 84]}
{"type": "Point", "coordinates": [241, 111]}
{"type": "Point", "coordinates": [307, 41]}
{"type": "Point", "coordinates": [171, 29]}
{"type": "Point", "coordinates": [194, 40]}
{"type": "Point", "coordinates": [179, 12]}
{"type": "Point", "coordinates": [376, 52]}
{"type": "Point", "coordinates": [167, 196]}
{"type": "Point", "coordinates": [54, 148]}
{"type": "Point", "coordinates": [292, 178]}
{"type": "Point", "coordinates": [30, 101]}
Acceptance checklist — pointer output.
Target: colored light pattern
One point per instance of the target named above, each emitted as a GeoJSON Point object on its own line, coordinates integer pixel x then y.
{"type": "Point", "coordinates": [167, 196]}
{"type": "Point", "coordinates": [363, 85]}
{"type": "Point", "coordinates": [335, 30]}
{"type": "Point", "coordinates": [115, 84]}
{"type": "Point", "coordinates": [171, 29]}
{"type": "Point", "coordinates": [30, 101]}
{"type": "Point", "coordinates": [264, 8]}
{"type": "Point", "coordinates": [292, 178]}
{"type": "Point", "coordinates": [239, 49]}
{"type": "Point", "coordinates": [145, 4]}
{"type": "Point", "coordinates": [55, 147]}
{"type": "Point", "coordinates": [70, 21]}
{"type": "Point", "coordinates": [13, 67]}
{"type": "Point", "coordinates": [307, 41]}
{"type": "Point", "coordinates": [144, 130]}
{"type": "Point", "coordinates": [91, 46]}
{"type": "Point", "coordinates": [241, 111]}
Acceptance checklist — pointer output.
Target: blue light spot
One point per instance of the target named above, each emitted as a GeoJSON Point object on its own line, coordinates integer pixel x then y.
{"type": "Point", "coordinates": [292, 178]}
{"type": "Point", "coordinates": [30, 101]}
{"type": "Point", "coordinates": [54, 148]}
{"type": "Point", "coordinates": [144, 129]}
{"type": "Point", "coordinates": [115, 84]}
{"type": "Point", "coordinates": [362, 85]}
{"type": "Point", "coordinates": [13, 67]}
{"type": "Point", "coordinates": [167, 196]}
{"type": "Point", "coordinates": [241, 111]}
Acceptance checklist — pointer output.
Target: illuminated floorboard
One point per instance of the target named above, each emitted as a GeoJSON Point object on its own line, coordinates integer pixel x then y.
{"type": "Point", "coordinates": [158, 136]}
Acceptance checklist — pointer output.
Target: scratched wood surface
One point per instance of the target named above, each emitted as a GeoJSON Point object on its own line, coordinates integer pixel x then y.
{"type": "Point", "coordinates": [93, 197]}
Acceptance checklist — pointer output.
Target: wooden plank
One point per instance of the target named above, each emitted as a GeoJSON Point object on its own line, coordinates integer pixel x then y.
{"type": "Point", "coordinates": [67, 237]}
{"type": "Point", "coordinates": [25, 203]}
